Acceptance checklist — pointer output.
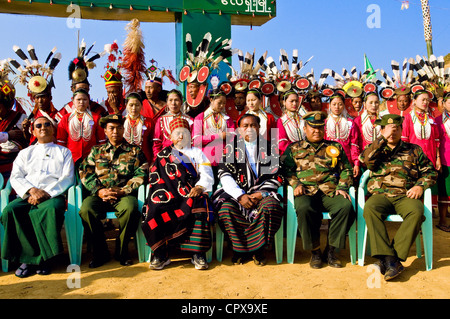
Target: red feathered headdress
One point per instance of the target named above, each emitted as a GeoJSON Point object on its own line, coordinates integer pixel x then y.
{"type": "Point", "coordinates": [133, 64]}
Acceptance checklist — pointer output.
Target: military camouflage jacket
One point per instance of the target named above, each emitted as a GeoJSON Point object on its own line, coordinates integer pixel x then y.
{"type": "Point", "coordinates": [107, 166]}
{"type": "Point", "coordinates": [394, 171]}
{"type": "Point", "coordinates": [315, 169]}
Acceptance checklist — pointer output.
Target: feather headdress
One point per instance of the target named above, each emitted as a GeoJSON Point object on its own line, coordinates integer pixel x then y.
{"type": "Point", "coordinates": [199, 63]}
{"type": "Point", "coordinates": [7, 90]}
{"type": "Point", "coordinates": [155, 74]}
{"type": "Point", "coordinates": [354, 84]}
{"type": "Point", "coordinates": [401, 80]}
{"type": "Point", "coordinates": [319, 87]}
{"type": "Point", "coordinates": [38, 77]}
{"type": "Point", "coordinates": [249, 73]}
{"type": "Point", "coordinates": [133, 64]}
{"type": "Point", "coordinates": [79, 67]}
{"type": "Point", "coordinates": [433, 74]}
{"type": "Point", "coordinates": [113, 66]}
{"type": "Point", "coordinates": [286, 77]}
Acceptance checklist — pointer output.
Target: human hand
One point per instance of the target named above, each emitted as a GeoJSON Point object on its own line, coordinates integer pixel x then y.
{"type": "Point", "coordinates": [388, 131]}
{"type": "Point", "coordinates": [299, 190]}
{"type": "Point", "coordinates": [343, 193]}
{"type": "Point", "coordinates": [415, 192]}
{"type": "Point", "coordinates": [110, 194]}
{"type": "Point", "coordinates": [26, 123]}
{"type": "Point", "coordinates": [37, 196]}
{"type": "Point", "coordinates": [113, 103]}
{"type": "Point", "coordinates": [247, 201]}
{"type": "Point", "coordinates": [356, 171]}
{"type": "Point", "coordinates": [196, 191]}
{"type": "Point", "coordinates": [256, 198]}
{"type": "Point", "coordinates": [438, 164]}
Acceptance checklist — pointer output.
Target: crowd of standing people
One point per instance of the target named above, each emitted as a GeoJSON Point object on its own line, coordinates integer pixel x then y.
{"type": "Point", "coordinates": [220, 155]}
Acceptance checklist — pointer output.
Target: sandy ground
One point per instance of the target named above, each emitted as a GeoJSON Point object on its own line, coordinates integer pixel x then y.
{"type": "Point", "coordinates": [225, 281]}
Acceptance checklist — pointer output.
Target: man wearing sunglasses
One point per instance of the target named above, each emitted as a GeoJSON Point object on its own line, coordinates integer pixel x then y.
{"type": "Point", "coordinates": [40, 175]}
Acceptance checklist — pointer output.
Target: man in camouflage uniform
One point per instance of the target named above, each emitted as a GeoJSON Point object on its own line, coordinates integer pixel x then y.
{"type": "Point", "coordinates": [112, 174]}
{"type": "Point", "coordinates": [320, 174]}
{"type": "Point", "coordinates": [400, 172]}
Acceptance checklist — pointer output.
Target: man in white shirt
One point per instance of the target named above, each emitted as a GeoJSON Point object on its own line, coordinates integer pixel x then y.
{"type": "Point", "coordinates": [40, 175]}
{"type": "Point", "coordinates": [248, 204]}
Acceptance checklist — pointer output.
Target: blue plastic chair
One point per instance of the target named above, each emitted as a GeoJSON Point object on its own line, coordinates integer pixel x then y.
{"type": "Point", "coordinates": [427, 225]}
{"type": "Point", "coordinates": [4, 201]}
{"type": "Point", "coordinates": [74, 226]}
{"type": "Point", "coordinates": [292, 226]}
{"type": "Point", "coordinates": [278, 239]}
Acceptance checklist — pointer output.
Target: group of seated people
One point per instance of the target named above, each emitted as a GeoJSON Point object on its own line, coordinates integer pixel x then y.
{"type": "Point", "coordinates": [214, 167]}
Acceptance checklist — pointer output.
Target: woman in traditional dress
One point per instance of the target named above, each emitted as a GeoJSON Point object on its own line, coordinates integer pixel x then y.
{"type": "Point", "coordinates": [443, 124]}
{"type": "Point", "coordinates": [368, 130]}
{"type": "Point", "coordinates": [254, 104]}
{"type": "Point", "coordinates": [419, 127]}
{"type": "Point", "coordinates": [340, 128]}
{"type": "Point", "coordinates": [177, 206]}
{"type": "Point", "coordinates": [161, 136]}
{"type": "Point", "coordinates": [79, 130]}
{"type": "Point", "coordinates": [290, 124]}
{"type": "Point", "coordinates": [137, 128]}
{"type": "Point", "coordinates": [212, 128]}
{"type": "Point", "coordinates": [12, 138]}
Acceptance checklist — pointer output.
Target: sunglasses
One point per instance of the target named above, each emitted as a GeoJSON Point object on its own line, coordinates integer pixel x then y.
{"type": "Point", "coordinates": [39, 125]}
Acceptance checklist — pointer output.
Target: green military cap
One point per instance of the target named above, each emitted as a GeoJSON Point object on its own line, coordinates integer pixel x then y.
{"type": "Point", "coordinates": [111, 118]}
{"type": "Point", "coordinates": [315, 118]}
{"type": "Point", "coordinates": [390, 119]}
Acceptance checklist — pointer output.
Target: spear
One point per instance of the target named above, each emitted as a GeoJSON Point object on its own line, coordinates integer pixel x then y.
{"type": "Point", "coordinates": [427, 26]}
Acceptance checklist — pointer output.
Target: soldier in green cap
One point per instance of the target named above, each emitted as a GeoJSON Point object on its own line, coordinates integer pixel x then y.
{"type": "Point", "coordinates": [400, 172]}
{"type": "Point", "coordinates": [112, 174]}
{"type": "Point", "coordinates": [321, 174]}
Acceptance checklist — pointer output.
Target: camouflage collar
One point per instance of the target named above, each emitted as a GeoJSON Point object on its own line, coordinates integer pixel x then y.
{"type": "Point", "coordinates": [316, 146]}
{"type": "Point", "coordinates": [124, 146]}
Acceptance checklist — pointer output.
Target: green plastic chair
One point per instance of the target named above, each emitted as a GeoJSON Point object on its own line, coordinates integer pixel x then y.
{"type": "Point", "coordinates": [3, 204]}
{"type": "Point", "coordinates": [292, 227]}
{"type": "Point", "coordinates": [278, 239]}
{"type": "Point", "coordinates": [4, 201]}
{"type": "Point", "coordinates": [427, 225]}
{"type": "Point", "coordinates": [74, 226]}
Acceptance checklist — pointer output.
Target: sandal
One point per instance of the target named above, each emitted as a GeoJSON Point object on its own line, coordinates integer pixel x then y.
{"type": "Point", "coordinates": [445, 228]}
{"type": "Point", "coordinates": [24, 270]}
{"type": "Point", "coordinates": [43, 270]}
{"type": "Point", "coordinates": [259, 258]}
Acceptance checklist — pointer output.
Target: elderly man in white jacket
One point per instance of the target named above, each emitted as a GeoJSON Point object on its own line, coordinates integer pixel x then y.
{"type": "Point", "coordinates": [41, 174]}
